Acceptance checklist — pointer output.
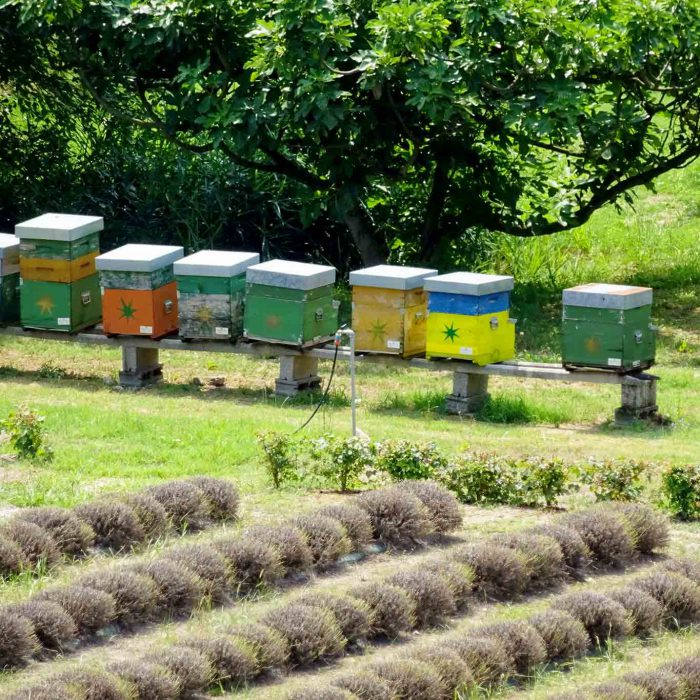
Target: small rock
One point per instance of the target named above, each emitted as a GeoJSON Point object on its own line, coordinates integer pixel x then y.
{"type": "Point", "coordinates": [217, 381]}
{"type": "Point", "coordinates": [196, 381]}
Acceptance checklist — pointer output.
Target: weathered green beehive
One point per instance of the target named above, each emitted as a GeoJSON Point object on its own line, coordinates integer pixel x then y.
{"type": "Point", "coordinates": [608, 326]}
{"type": "Point", "coordinates": [290, 302]}
{"type": "Point", "coordinates": [59, 287]}
{"type": "Point", "coordinates": [211, 293]}
{"type": "Point", "coordinates": [9, 278]}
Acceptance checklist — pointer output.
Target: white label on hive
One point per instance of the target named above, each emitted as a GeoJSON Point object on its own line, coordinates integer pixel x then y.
{"type": "Point", "coordinates": [102, 291]}
{"type": "Point", "coordinates": [393, 344]}
{"type": "Point", "coordinates": [63, 321]}
{"type": "Point", "coordinates": [21, 281]}
{"type": "Point", "coordinates": [145, 329]}
{"type": "Point", "coordinates": [466, 351]}
{"type": "Point", "coordinates": [220, 330]}
{"type": "Point", "coordinates": [614, 362]}
{"type": "Point", "coordinates": [636, 363]}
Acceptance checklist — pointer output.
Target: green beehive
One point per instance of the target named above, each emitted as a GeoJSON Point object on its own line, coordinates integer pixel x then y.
{"type": "Point", "coordinates": [9, 278]}
{"type": "Point", "coordinates": [211, 293]}
{"type": "Point", "coordinates": [52, 246]}
{"type": "Point", "coordinates": [290, 302]}
{"type": "Point", "coordinates": [608, 326]}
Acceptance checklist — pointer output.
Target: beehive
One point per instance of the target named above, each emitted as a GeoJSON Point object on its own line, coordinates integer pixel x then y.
{"type": "Point", "coordinates": [290, 302]}
{"type": "Point", "coordinates": [139, 290]}
{"type": "Point", "coordinates": [608, 326]}
{"type": "Point", "coordinates": [469, 317]}
{"type": "Point", "coordinates": [211, 293]}
{"type": "Point", "coordinates": [59, 284]}
{"type": "Point", "coordinates": [9, 278]}
{"type": "Point", "coordinates": [389, 309]}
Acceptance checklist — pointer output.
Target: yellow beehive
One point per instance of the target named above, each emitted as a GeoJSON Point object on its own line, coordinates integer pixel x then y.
{"type": "Point", "coordinates": [57, 270]}
{"type": "Point", "coordinates": [468, 317]}
{"type": "Point", "coordinates": [389, 309]}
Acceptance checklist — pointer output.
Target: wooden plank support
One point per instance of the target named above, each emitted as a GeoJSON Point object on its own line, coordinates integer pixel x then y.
{"type": "Point", "coordinates": [297, 373]}
{"type": "Point", "coordinates": [140, 367]}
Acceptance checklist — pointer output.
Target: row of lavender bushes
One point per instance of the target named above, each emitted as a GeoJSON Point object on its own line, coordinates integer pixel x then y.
{"type": "Point", "coordinates": [36, 539]}
{"type": "Point", "coordinates": [317, 627]}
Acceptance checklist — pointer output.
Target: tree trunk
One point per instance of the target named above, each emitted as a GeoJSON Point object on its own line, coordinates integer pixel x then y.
{"type": "Point", "coordinates": [371, 251]}
{"type": "Point", "coordinates": [430, 236]}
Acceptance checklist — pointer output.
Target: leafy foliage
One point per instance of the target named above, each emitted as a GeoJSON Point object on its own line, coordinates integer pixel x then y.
{"type": "Point", "coordinates": [615, 480]}
{"type": "Point", "coordinates": [27, 434]}
{"type": "Point", "coordinates": [681, 490]}
{"type": "Point", "coordinates": [280, 460]}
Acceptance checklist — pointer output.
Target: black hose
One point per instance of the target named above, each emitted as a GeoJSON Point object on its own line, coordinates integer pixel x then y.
{"type": "Point", "coordinates": [325, 393]}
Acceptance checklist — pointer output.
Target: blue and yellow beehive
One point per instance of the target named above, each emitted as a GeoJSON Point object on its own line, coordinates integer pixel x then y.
{"type": "Point", "coordinates": [469, 317]}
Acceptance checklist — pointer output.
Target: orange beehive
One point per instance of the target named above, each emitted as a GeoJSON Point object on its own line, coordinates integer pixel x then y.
{"type": "Point", "coordinates": [150, 312]}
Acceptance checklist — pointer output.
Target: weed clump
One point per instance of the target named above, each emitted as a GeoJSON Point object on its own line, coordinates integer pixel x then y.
{"type": "Point", "coordinates": [254, 564]}
{"type": "Point", "coordinates": [221, 497]}
{"type": "Point", "coordinates": [443, 508]}
{"type": "Point", "coordinates": [392, 610]}
{"type": "Point", "coordinates": [607, 537]}
{"type": "Point", "coordinates": [208, 565]}
{"type": "Point", "coordinates": [35, 543]}
{"type": "Point", "coordinates": [399, 519]}
{"type": "Point", "coordinates": [430, 593]}
{"type": "Point", "coordinates": [650, 529]}
{"type": "Point", "coordinates": [543, 558]}
{"type": "Point", "coordinates": [290, 543]}
{"type": "Point", "coordinates": [603, 617]}
{"type": "Point", "coordinates": [115, 525]}
{"type": "Point", "coordinates": [52, 625]}
{"type": "Point", "coordinates": [89, 608]}
{"type": "Point", "coordinates": [564, 636]}
{"type": "Point", "coordinates": [521, 641]}
{"type": "Point", "coordinates": [312, 633]}
{"type": "Point", "coordinates": [356, 522]}
{"type": "Point", "coordinates": [500, 573]}
{"type": "Point", "coordinates": [192, 669]}
{"type": "Point", "coordinates": [150, 514]}
{"type": "Point", "coordinates": [134, 595]}
{"type": "Point", "coordinates": [453, 672]}
{"type": "Point", "coordinates": [151, 681]}
{"type": "Point", "coordinates": [233, 661]}
{"type": "Point", "coordinates": [366, 685]}
{"type": "Point", "coordinates": [11, 558]}
{"type": "Point", "coordinates": [659, 684]}
{"type": "Point", "coordinates": [18, 643]}
{"type": "Point", "coordinates": [409, 679]}
{"type": "Point", "coordinates": [486, 657]}
{"type": "Point", "coordinates": [70, 534]}
{"type": "Point", "coordinates": [270, 647]}
{"type": "Point", "coordinates": [351, 614]}
{"type": "Point", "coordinates": [576, 554]}
{"type": "Point", "coordinates": [646, 613]}
{"type": "Point", "coordinates": [326, 537]}
{"type": "Point", "coordinates": [177, 589]}
{"type": "Point", "coordinates": [184, 503]}
{"type": "Point", "coordinates": [678, 596]}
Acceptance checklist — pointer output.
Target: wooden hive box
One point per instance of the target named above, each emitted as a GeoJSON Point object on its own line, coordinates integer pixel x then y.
{"type": "Point", "coordinates": [59, 287]}
{"type": "Point", "coordinates": [9, 278]}
{"type": "Point", "coordinates": [211, 293]}
{"type": "Point", "coordinates": [290, 303]}
{"type": "Point", "coordinates": [608, 326]}
{"type": "Point", "coordinates": [139, 290]}
{"type": "Point", "coordinates": [389, 309]}
{"type": "Point", "coordinates": [469, 317]}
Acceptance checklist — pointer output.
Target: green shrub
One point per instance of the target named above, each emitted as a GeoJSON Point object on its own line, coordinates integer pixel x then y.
{"type": "Point", "coordinates": [538, 481]}
{"type": "Point", "coordinates": [614, 480]}
{"type": "Point", "coordinates": [27, 434]}
{"type": "Point", "coordinates": [281, 461]}
{"type": "Point", "coordinates": [403, 459]}
{"type": "Point", "coordinates": [680, 489]}
{"type": "Point", "coordinates": [342, 461]}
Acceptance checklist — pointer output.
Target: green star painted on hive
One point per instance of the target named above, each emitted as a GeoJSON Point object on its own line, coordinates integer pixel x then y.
{"type": "Point", "coordinates": [451, 332]}
{"type": "Point", "coordinates": [378, 330]}
{"type": "Point", "coordinates": [127, 309]}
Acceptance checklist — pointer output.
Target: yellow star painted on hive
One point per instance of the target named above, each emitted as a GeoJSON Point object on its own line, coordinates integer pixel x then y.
{"type": "Point", "coordinates": [46, 306]}
{"type": "Point", "coordinates": [204, 316]}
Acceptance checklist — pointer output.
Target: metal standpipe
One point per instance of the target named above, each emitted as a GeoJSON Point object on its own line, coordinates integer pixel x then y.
{"type": "Point", "coordinates": [350, 334]}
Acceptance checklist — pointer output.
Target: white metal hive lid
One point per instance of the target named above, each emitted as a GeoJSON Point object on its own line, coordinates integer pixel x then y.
{"type": "Point", "coordinates": [391, 277]}
{"type": "Point", "coordinates": [139, 257]}
{"type": "Point", "coordinates": [215, 263]}
{"type": "Point", "coordinates": [291, 275]}
{"type": "Point", "coordinates": [59, 227]}
{"type": "Point", "coordinates": [9, 247]}
{"type": "Point", "coordinates": [598, 295]}
{"type": "Point", "coordinates": [473, 283]}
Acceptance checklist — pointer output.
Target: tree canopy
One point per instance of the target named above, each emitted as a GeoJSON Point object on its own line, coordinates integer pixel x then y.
{"type": "Point", "coordinates": [520, 116]}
